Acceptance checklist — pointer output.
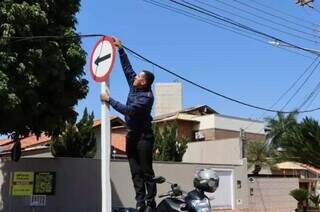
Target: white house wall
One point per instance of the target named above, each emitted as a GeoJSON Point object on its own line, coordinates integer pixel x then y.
{"type": "Point", "coordinates": [205, 122]}
{"type": "Point", "coordinates": [229, 123]}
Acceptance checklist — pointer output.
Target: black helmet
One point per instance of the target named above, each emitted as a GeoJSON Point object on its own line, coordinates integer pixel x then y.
{"type": "Point", "coordinates": [206, 180]}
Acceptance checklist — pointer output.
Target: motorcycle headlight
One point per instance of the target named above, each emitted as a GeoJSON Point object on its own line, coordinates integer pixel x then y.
{"type": "Point", "coordinates": [201, 205]}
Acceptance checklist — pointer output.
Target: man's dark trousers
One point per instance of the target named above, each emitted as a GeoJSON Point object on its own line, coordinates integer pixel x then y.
{"type": "Point", "coordinates": [139, 148]}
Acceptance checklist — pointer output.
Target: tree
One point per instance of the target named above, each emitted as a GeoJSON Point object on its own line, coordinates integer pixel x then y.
{"type": "Point", "coordinates": [301, 195]}
{"type": "Point", "coordinates": [40, 79]}
{"type": "Point", "coordinates": [315, 199]}
{"type": "Point", "coordinates": [258, 156]}
{"type": "Point", "coordinates": [302, 143]}
{"type": "Point", "coordinates": [78, 140]}
{"type": "Point", "coordinates": [279, 126]}
{"type": "Point", "coordinates": [168, 147]}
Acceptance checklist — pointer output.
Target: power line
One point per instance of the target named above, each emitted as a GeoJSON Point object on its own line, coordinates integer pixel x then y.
{"type": "Point", "coordinates": [309, 97]}
{"type": "Point", "coordinates": [17, 39]}
{"type": "Point", "coordinates": [217, 24]}
{"type": "Point", "coordinates": [263, 18]}
{"type": "Point", "coordinates": [313, 99]}
{"type": "Point", "coordinates": [275, 16]}
{"type": "Point", "coordinates": [202, 19]}
{"type": "Point", "coordinates": [287, 91]}
{"type": "Point", "coordinates": [284, 13]}
{"type": "Point", "coordinates": [171, 72]}
{"type": "Point", "coordinates": [232, 22]}
{"type": "Point", "coordinates": [303, 83]}
{"type": "Point", "coordinates": [211, 91]}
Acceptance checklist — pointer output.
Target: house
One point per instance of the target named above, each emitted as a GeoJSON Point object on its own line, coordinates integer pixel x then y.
{"type": "Point", "coordinates": [40, 147]}
{"type": "Point", "coordinates": [203, 124]}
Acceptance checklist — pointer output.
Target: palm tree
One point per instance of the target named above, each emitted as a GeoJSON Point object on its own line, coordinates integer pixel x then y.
{"type": "Point", "coordinates": [279, 127]}
{"type": "Point", "coordinates": [302, 143]}
{"type": "Point", "coordinates": [258, 156]}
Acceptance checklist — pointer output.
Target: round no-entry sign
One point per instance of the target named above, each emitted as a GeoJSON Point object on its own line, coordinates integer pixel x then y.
{"type": "Point", "coordinates": [102, 59]}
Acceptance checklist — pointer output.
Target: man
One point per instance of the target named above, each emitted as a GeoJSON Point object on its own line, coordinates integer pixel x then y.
{"type": "Point", "coordinates": [139, 139]}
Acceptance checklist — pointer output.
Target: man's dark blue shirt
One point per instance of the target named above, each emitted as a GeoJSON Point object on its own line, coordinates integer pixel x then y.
{"type": "Point", "coordinates": [137, 110]}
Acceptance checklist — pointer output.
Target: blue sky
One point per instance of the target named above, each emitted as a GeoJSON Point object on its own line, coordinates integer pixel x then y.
{"type": "Point", "coordinates": [236, 66]}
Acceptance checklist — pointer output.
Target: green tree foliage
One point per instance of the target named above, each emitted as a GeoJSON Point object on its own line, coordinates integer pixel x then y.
{"type": "Point", "coordinates": [40, 79]}
{"type": "Point", "coordinates": [279, 127]}
{"type": "Point", "coordinates": [301, 195]}
{"type": "Point", "coordinates": [168, 147]}
{"type": "Point", "coordinates": [258, 156]}
{"type": "Point", "coordinates": [78, 140]}
{"type": "Point", "coordinates": [299, 142]}
{"type": "Point", "coordinates": [315, 199]}
{"type": "Point", "coordinates": [302, 144]}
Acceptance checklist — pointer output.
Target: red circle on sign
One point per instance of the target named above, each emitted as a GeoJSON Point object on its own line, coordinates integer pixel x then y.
{"type": "Point", "coordinates": [105, 77]}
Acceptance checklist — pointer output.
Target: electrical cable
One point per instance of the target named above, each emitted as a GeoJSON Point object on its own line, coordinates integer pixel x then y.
{"type": "Point", "coordinates": [216, 24]}
{"type": "Point", "coordinates": [26, 38]}
{"type": "Point", "coordinates": [287, 91]}
{"type": "Point", "coordinates": [263, 18]}
{"type": "Point", "coordinates": [303, 83]}
{"type": "Point", "coordinates": [172, 73]}
{"type": "Point", "coordinates": [275, 16]}
{"type": "Point", "coordinates": [287, 14]}
{"type": "Point", "coordinates": [310, 95]}
{"type": "Point", "coordinates": [202, 19]}
{"type": "Point", "coordinates": [211, 91]}
{"type": "Point", "coordinates": [313, 99]}
{"type": "Point", "coordinates": [230, 21]}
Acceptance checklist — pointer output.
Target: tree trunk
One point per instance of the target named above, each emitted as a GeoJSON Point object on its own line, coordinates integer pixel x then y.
{"type": "Point", "coordinates": [256, 170]}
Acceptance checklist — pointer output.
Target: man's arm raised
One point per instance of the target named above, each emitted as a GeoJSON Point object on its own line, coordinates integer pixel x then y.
{"type": "Point", "coordinates": [125, 63]}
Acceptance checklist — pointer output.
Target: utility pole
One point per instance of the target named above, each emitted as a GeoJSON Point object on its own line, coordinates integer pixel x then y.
{"type": "Point", "coordinates": [243, 142]}
{"type": "Point", "coordinates": [304, 2]}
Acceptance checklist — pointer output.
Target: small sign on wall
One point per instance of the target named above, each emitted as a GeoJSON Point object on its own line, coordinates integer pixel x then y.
{"type": "Point", "coordinates": [44, 183]}
{"type": "Point", "coordinates": [22, 183]}
{"type": "Point", "coordinates": [32, 183]}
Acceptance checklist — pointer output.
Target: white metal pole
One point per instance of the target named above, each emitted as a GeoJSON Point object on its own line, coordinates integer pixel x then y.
{"type": "Point", "coordinates": [105, 153]}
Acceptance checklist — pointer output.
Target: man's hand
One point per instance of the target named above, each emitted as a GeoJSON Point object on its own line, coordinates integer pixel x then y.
{"type": "Point", "coordinates": [104, 97]}
{"type": "Point", "coordinates": [117, 42]}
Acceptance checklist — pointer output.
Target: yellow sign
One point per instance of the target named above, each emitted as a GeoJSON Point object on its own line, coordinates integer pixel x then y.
{"type": "Point", "coordinates": [22, 183]}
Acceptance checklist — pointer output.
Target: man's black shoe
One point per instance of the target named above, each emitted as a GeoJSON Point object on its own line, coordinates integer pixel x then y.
{"type": "Point", "coordinates": [150, 209]}
{"type": "Point", "coordinates": [141, 208]}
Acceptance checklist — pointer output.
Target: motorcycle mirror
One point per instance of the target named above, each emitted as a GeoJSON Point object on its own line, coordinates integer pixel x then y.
{"type": "Point", "coordinates": [159, 179]}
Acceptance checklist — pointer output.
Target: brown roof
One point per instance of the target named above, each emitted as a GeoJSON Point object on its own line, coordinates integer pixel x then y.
{"type": "Point", "coordinates": [195, 110]}
{"type": "Point", "coordinates": [115, 122]}
{"type": "Point", "coordinates": [6, 144]}
{"type": "Point", "coordinates": [178, 116]}
{"type": "Point", "coordinates": [32, 141]}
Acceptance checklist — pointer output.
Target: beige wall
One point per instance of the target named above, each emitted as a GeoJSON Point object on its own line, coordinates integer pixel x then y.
{"type": "Point", "coordinates": [226, 151]}
{"type": "Point", "coordinates": [168, 98]}
{"type": "Point", "coordinates": [272, 194]}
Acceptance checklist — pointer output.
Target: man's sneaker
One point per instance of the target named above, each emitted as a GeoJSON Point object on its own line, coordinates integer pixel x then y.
{"type": "Point", "coordinates": [152, 204]}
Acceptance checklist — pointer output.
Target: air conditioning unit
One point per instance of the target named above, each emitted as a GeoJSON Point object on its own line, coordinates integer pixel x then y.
{"type": "Point", "coordinates": [199, 136]}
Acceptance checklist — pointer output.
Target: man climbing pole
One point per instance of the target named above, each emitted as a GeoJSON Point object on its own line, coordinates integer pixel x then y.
{"type": "Point", "coordinates": [140, 138]}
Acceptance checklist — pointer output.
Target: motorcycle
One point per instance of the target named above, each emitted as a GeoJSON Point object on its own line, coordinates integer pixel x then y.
{"type": "Point", "coordinates": [177, 200]}
{"type": "Point", "coordinates": [194, 201]}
